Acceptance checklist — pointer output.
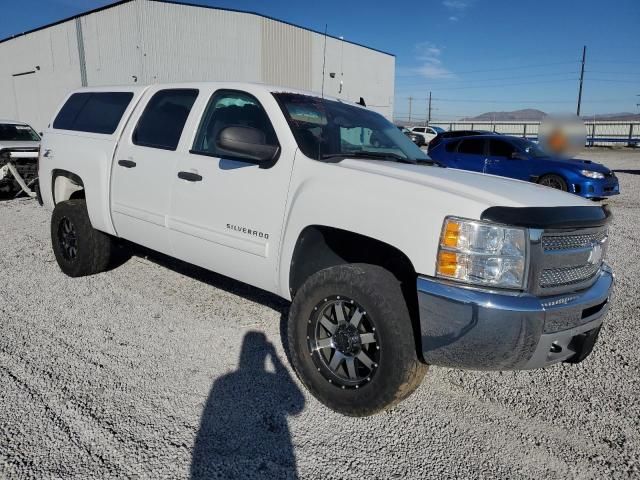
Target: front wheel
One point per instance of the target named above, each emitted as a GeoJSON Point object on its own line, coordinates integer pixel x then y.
{"type": "Point", "coordinates": [553, 181]}
{"type": "Point", "coordinates": [351, 339]}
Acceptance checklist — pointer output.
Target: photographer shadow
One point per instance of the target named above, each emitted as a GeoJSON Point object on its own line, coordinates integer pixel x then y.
{"type": "Point", "coordinates": [243, 429]}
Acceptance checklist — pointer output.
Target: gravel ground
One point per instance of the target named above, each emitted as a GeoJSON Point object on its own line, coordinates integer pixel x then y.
{"type": "Point", "coordinates": [158, 369]}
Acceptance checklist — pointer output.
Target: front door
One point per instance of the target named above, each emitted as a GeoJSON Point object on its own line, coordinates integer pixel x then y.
{"type": "Point", "coordinates": [471, 155]}
{"type": "Point", "coordinates": [144, 164]}
{"type": "Point", "coordinates": [501, 161]}
{"type": "Point", "coordinates": [226, 212]}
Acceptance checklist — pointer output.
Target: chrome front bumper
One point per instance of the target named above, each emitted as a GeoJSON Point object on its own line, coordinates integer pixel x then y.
{"type": "Point", "coordinates": [476, 329]}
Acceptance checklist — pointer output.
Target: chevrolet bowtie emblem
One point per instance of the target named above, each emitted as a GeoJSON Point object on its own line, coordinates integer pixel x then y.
{"type": "Point", "coordinates": [595, 256]}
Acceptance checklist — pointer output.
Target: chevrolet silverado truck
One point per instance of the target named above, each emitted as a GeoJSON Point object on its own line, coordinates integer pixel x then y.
{"type": "Point", "coordinates": [391, 261]}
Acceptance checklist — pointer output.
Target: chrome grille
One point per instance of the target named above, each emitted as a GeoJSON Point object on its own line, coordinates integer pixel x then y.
{"type": "Point", "coordinates": [566, 242]}
{"type": "Point", "coordinates": [556, 277]}
{"type": "Point", "coordinates": [570, 260]}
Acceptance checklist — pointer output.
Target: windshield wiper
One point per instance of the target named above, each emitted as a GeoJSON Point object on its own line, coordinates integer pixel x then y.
{"type": "Point", "coordinates": [389, 156]}
{"type": "Point", "coordinates": [373, 155]}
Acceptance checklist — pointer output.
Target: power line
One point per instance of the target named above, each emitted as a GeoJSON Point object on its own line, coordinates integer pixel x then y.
{"type": "Point", "coordinates": [614, 80]}
{"type": "Point", "coordinates": [517, 67]}
{"type": "Point", "coordinates": [501, 85]}
{"type": "Point", "coordinates": [516, 77]}
{"type": "Point", "coordinates": [469, 100]}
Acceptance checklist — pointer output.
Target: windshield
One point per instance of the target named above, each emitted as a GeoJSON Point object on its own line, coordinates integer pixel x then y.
{"type": "Point", "coordinates": [10, 132]}
{"type": "Point", "coordinates": [532, 149]}
{"type": "Point", "coordinates": [328, 128]}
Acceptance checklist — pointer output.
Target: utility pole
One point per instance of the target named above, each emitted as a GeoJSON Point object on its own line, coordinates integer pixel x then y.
{"type": "Point", "coordinates": [410, 100]}
{"type": "Point", "coordinates": [584, 55]}
{"type": "Point", "coordinates": [429, 111]}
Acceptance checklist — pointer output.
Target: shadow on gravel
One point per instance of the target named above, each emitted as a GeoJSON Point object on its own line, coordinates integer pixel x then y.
{"type": "Point", "coordinates": [243, 430]}
{"type": "Point", "coordinates": [632, 172]}
{"type": "Point", "coordinates": [216, 280]}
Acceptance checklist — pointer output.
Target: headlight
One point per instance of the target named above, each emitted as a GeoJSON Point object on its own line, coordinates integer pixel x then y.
{"type": "Point", "coordinates": [591, 174]}
{"type": "Point", "coordinates": [482, 253]}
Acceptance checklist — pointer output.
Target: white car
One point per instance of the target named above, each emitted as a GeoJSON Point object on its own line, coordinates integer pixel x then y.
{"type": "Point", "coordinates": [19, 145]}
{"type": "Point", "coordinates": [391, 262]}
{"type": "Point", "coordinates": [426, 133]}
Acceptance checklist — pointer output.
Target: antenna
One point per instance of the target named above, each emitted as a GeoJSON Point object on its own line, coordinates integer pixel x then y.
{"type": "Point", "coordinates": [324, 59]}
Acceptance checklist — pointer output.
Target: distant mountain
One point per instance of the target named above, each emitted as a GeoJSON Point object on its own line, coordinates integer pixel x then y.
{"type": "Point", "coordinates": [526, 114]}
{"type": "Point", "coordinates": [622, 116]}
{"type": "Point", "coordinates": [532, 114]}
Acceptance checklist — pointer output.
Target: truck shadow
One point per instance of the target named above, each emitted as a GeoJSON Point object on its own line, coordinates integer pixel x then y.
{"type": "Point", "coordinates": [243, 429]}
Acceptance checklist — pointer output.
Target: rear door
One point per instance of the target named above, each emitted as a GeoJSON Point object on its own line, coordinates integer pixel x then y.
{"type": "Point", "coordinates": [471, 154]}
{"type": "Point", "coordinates": [144, 164]}
{"type": "Point", "coordinates": [500, 161]}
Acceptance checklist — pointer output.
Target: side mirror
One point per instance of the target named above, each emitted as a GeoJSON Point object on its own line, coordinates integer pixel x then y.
{"type": "Point", "coordinates": [247, 143]}
{"type": "Point", "coordinates": [518, 156]}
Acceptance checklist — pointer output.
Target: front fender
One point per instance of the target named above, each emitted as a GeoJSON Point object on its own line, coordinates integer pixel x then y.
{"type": "Point", "coordinates": [401, 214]}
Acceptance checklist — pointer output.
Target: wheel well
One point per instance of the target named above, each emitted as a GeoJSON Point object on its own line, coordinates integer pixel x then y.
{"type": "Point", "coordinates": [66, 185]}
{"type": "Point", "coordinates": [319, 247]}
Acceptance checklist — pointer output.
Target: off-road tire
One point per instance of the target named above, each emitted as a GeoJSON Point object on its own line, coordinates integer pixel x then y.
{"type": "Point", "coordinates": [94, 249]}
{"type": "Point", "coordinates": [553, 181]}
{"type": "Point", "coordinates": [399, 371]}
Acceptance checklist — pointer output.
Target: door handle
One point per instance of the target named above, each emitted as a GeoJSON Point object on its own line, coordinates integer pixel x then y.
{"type": "Point", "coordinates": [190, 176]}
{"type": "Point", "coordinates": [127, 163]}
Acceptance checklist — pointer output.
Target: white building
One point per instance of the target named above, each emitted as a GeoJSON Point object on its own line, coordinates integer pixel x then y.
{"type": "Point", "coordinates": [149, 41]}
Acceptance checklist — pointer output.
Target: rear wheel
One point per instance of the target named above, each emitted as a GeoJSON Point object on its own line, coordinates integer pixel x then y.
{"type": "Point", "coordinates": [553, 181]}
{"type": "Point", "coordinates": [79, 248]}
{"type": "Point", "coordinates": [351, 339]}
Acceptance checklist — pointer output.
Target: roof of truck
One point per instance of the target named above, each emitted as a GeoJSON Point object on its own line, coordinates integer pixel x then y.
{"type": "Point", "coordinates": [13, 122]}
{"type": "Point", "coordinates": [221, 85]}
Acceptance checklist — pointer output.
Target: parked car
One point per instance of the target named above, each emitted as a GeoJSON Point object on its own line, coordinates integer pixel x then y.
{"type": "Point", "coordinates": [391, 262]}
{"type": "Point", "coordinates": [426, 134]}
{"type": "Point", "coordinates": [19, 145]}
{"type": "Point", "coordinates": [523, 159]}
{"type": "Point", "coordinates": [415, 138]}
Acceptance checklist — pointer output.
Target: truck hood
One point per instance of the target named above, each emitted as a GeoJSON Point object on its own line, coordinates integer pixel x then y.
{"type": "Point", "coordinates": [489, 190]}
{"type": "Point", "coordinates": [11, 145]}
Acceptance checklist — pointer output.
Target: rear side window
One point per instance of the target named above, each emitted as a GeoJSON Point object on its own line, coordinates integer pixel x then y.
{"type": "Point", "coordinates": [451, 146]}
{"type": "Point", "coordinates": [500, 148]}
{"type": "Point", "coordinates": [163, 119]}
{"type": "Point", "coordinates": [94, 112]}
{"type": "Point", "coordinates": [472, 146]}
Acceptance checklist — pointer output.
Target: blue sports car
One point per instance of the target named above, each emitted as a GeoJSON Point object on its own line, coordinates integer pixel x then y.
{"type": "Point", "coordinates": [523, 159]}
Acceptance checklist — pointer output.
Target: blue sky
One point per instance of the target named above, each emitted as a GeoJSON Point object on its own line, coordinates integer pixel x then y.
{"type": "Point", "coordinates": [474, 55]}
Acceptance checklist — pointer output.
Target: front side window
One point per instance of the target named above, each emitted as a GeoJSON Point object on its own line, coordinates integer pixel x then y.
{"type": "Point", "coordinates": [231, 108]}
{"type": "Point", "coordinates": [10, 132]}
{"type": "Point", "coordinates": [500, 148]}
{"type": "Point", "coordinates": [326, 128]}
{"type": "Point", "coordinates": [93, 112]}
{"type": "Point", "coordinates": [419, 130]}
{"type": "Point", "coordinates": [472, 146]}
{"type": "Point", "coordinates": [161, 123]}
{"type": "Point", "coordinates": [530, 148]}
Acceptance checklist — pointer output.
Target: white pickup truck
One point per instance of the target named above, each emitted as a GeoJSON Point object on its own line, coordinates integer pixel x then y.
{"type": "Point", "coordinates": [392, 262]}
